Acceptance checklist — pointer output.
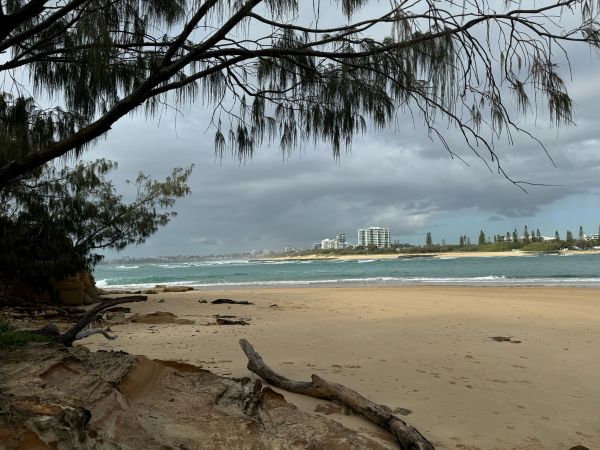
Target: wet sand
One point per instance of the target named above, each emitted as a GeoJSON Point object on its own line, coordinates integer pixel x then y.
{"type": "Point", "coordinates": [427, 349]}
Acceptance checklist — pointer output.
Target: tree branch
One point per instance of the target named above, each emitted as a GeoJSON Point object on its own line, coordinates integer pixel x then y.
{"type": "Point", "coordinates": [70, 336]}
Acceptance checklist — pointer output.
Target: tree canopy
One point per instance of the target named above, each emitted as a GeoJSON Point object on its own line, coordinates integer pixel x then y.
{"type": "Point", "coordinates": [52, 225]}
{"type": "Point", "coordinates": [275, 71]}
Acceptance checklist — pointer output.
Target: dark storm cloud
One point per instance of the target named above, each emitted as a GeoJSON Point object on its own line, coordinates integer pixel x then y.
{"type": "Point", "coordinates": [398, 178]}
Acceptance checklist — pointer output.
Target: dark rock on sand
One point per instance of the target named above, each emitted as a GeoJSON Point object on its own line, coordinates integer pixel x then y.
{"type": "Point", "coordinates": [228, 301]}
{"type": "Point", "coordinates": [177, 289]}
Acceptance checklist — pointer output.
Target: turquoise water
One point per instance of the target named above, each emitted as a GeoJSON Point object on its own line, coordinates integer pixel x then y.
{"type": "Point", "coordinates": [572, 270]}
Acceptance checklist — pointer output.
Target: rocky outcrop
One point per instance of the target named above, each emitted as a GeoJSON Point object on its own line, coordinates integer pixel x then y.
{"type": "Point", "coordinates": [67, 398]}
{"type": "Point", "coordinates": [162, 288]}
{"type": "Point", "coordinates": [75, 290]}
{"type": "Point", "coordinates": [17, 289]}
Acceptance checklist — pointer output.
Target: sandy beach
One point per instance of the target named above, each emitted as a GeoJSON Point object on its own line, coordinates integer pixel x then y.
{"type": "Point", "coordinates": [427, 349]}
{"type": "Point", "coordinates": [322, 256]}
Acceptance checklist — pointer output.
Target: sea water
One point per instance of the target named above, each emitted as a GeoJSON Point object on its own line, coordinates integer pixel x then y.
{"type": "Point", "coordinates": [542, 270]}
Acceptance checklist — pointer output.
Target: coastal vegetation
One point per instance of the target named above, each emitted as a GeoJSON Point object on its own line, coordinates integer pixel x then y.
{"type": "Point", "coordinates": [501, 243]}
{"type": "Point", "coordinates": [11, 336]}
{"type": "Point", "coordinates": [54, 223]}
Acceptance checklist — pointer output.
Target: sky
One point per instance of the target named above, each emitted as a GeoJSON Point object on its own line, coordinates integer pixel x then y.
{"type": "Point", "coordinates": [397, 178]}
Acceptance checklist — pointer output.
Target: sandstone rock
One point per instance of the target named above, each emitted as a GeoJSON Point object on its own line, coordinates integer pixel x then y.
{"type": "Point", "coordinates": [177, 289]}
{"type": "Point", "coordinates": [87, 300]}
{"type": "Point", "coordinates": [89, 285]}
{"type": "Point", "coordinates": [117, 316]}
{"type": "Point", "coordinates": [17, 289]}
{"type": "Point", "coordinates": [70, 291]}
{"type": "Point", "coordinates": [74, 290]}
{"type": "Point", "coordinates": [150, 291]}
{"type": "Point", "coordinates": [74, 398]}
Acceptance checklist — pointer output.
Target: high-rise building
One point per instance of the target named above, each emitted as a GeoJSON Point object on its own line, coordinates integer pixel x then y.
{"type": "Point", "coordinates": [328, 244]}
{"type": "Point", "coordinates": [338, 243]}
{"type": "Point", "coordinates": [377, 236]}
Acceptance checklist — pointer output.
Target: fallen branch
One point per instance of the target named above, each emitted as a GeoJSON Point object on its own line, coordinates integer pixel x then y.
{"type": "Point", "coordinates": [92, 331]}
{"type": "Point", "coordinates": [70, 336]}
{"type": "Point", "coordinates": [407, 436]}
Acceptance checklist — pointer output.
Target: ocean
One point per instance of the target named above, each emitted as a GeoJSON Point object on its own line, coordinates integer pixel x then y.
{"type": "Point", "coordinates": [535, 270]}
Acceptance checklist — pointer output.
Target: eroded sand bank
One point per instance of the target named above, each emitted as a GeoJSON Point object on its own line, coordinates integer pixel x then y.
{"type": "Point", "coordinates": [426, 349]}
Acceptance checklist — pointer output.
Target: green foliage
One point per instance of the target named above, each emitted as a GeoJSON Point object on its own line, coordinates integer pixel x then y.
{"type": "Point", "coordinates": [270, 74]}
{"type": "Point", "coordinates": [495, 247]}
{"type": "Point", "coordinates": [25, 128]}
{"type": "Point", "coordinates": [11, 337]}
{"type": "Point", "coordinates": [481, 240]}
{"type": "Point", "coordinates": [428, 240]}
{"type": "Point", "coordinates": [542, 247]}
{"type": "Point", "coordinates": [53, 224]}
{"type": "Point", "coordinates": [569, 238]}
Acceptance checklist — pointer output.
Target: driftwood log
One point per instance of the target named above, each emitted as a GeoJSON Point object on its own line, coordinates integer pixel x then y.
{"type": "Point", "coordinates": [408, 437]}
{"type": "Point", "coordinates": [77, 331]}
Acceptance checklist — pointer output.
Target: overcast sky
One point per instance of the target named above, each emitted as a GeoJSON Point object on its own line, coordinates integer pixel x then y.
{"type": "Point", "coordinates": [397, 178]}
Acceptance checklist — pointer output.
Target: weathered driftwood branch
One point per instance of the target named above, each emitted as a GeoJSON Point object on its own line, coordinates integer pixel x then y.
{"type": "Point", "coordinates": [407, 436]}
{"type": "Point", "coordinates": [70, 336]}
{"type": "Point", "coordinates": [92, 331]}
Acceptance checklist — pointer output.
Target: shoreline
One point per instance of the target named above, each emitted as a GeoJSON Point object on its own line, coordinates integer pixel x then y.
{"type": "Point", "coordinates": [352, 284]}
{"type": "Point", "coordinates": [429, 349]}
{"type": "Point", "coordinates": [380, 270]}
{"type": "Point", "coordinates": [439, 255]}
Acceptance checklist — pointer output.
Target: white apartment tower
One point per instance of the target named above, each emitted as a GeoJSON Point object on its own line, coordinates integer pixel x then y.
{"type": "Point", "coordinates": [374, 236]}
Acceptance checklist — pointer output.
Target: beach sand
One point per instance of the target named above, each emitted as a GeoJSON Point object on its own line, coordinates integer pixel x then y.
{"type": "Point", "coordinates": [445, 255]}
{"type": "Point", "coordinates": [423, 348]}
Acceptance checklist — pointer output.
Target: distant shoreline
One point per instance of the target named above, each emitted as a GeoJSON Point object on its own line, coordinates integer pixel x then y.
{"type": "Point", "coordinates": [440, 255]}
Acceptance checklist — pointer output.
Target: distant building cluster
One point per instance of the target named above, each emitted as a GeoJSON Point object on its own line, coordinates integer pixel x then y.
{"type": "Point", "coordinates": [339, 243]}
{"type": "Point", "coordinates": [265, 252]}
{"type": "Point", "coordinates": [377, 236]}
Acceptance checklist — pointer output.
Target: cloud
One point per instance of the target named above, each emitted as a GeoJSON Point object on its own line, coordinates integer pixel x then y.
{"type": "Point", "coordinates": [208, 241]}
{"type": "Point", "coordinates": [398, 178]}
